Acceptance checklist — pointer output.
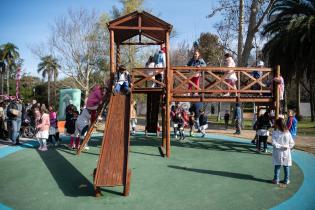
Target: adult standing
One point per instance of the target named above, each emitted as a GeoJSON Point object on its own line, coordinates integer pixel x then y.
{"type": "Point", "coordinates": [160, 62]}
{"type": "Point", "coordinates": [20, 116]}
{"type": "Point", "coordinates": [196, 61]}
{"type": "Point", "coordinates": [282, 143]}
{"type": "Point", "coordinates": [12, 114]}
{"type": "Point", "coordinates": [237, 118]}
{"type": "Point", "coordinates": [2, 116]}
{"type": "Point", "coordinates": [195, 108]}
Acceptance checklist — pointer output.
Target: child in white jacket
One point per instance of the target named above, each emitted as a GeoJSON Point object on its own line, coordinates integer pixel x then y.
{"type": "Point", "coordinates": [282, 143]}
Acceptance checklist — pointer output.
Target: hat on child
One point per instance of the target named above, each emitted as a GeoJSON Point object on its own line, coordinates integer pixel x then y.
{"type": "Point", "coordinates": [122, 68]}
{"type": "Point", "coordinates": [260, 64]}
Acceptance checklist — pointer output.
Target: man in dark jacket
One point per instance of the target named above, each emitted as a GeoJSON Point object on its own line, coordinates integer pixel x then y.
{"type": "Point", "coordinates": [12, 114]}
{"type": "Point", "coordinates": [196, 107]}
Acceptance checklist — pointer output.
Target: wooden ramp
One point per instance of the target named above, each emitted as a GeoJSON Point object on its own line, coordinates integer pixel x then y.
{"type": "Point", "coordinates": [112, 168]}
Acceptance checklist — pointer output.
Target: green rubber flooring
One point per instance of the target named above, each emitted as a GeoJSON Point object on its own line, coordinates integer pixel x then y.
{"type": "Point", "coordinates": [201, 174]}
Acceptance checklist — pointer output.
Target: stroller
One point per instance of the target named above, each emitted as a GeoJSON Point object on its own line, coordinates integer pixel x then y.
{"type": "Point", "coordinates": [27, 129]}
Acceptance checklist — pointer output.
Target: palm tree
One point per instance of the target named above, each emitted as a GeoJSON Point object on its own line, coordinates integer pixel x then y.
{"type": "Point", "coordinates": [292, 39]}
{"type": "Point", "coordinates": [48, 66]}
{"type": "Point", "coordinates": [10, 55]}
{"type": "Point", "coordinates": [2, 70]}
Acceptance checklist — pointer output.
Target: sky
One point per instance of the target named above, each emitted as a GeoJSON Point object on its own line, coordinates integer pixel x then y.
{"type": "Point", "coordinates": [25, 23]}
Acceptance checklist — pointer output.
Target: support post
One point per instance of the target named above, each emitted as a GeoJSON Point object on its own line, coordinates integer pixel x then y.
{"type": "Point", "coordinates": [112, 54]}
{"type": "Point", "coordinates": [118, 54]}
{"type": "Point", "coordinates": [169, 81]}
{"type": "Point", "coordinates": [276, 93]}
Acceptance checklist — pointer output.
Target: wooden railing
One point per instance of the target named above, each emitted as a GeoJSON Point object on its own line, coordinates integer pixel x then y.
{"type": "Point", "coordinates": [147, 78]}
{"type": "Point", "coordinates": [212, 81]}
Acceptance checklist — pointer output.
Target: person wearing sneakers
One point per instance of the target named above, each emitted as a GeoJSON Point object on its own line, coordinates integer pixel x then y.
{"type": "Point", "coordinates": [262, 126]}
{"type": "Point", "coordinates": [122, 81]}
{"type": "Point", "coordinates": [82, 125]}
{"type": "Point", "coordinates": [71, 131]}
{"type": "Point", "coordinates": [43, 129]}
{"type": "Point", "coordinates": [282, 143]}
{"type": "Point", "coordinates": [203, 120]}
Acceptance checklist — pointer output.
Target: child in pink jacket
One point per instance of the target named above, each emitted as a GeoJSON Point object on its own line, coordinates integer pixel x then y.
{"type": "Point", "coordinates": [95, 98]}
{"type": "Point", "coordinates": [43, 129]}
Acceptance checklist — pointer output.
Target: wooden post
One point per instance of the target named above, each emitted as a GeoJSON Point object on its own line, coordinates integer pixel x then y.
{"type": "Point", "coordinates": [169, 81]}
{"type": "Point", "coordinates": [118, 54]}
{"type": "Point", "coordinates": [276, 93]}
{"type": "Point", "coordinates": [238, 84]}
{"type": "Point", "coordinates": [112, 54]}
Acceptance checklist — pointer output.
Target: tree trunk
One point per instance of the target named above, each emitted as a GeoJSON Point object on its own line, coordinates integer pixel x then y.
{"type": "Point", "coordinates": [2, 81]}
{"type": "Point", "coordinates": [219, 110]}
{"type": "Point", "coordinates": [298, 96]}
{"type": "Point", "coordinates": [285, 101]}
{"type": "Point", "coordinates": [251, 31]}
{"type": "Point", "coordinates": [240, 33]}
{"type": "Point", "coordinates": [8, 85]}
{"type": "Point", "coordinates": [48, 89]}
{"type": "Point", "coordinates": [312, 100]}
{"type": "Point", "coordinates": [55, 92]}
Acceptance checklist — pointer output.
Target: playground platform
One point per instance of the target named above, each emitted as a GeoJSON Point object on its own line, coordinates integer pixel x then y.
{"type": "Point", "coordinates": [216, 172]}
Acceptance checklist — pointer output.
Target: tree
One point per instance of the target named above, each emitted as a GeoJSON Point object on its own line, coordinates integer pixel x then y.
{"type": "Point", "coordinates": [78, 46]}
{"type": "Point", "coordinates": [48, 67]}
{"type": "Point", "coordinates": [10, 56]}
{"type": "Point", "coordinates": [255, 12]}
{"type": "Point", "coordinates": [292, 42]}
{"type": "Point", "coordinates": [210, 48]}
{"type": "Point", "coordinates": [2, 70]}
{"type": "Point", "coordinates": [180, 54]}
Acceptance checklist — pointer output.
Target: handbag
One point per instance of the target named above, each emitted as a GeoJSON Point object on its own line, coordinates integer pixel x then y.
{"type": "Point", "coordinates": [14, 112]}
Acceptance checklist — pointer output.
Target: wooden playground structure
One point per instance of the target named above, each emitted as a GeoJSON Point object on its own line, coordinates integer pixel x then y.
{"type": "Point", "coordinates": [112, 168]}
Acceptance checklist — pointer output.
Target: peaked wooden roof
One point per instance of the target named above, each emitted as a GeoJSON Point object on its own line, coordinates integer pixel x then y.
{"type": "Point", "coordinates": [139, 23]}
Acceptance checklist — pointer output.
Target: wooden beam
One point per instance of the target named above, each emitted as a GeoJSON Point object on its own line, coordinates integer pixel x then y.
{"type": "Point", "coordinates": [169, 82]}
{"type": "Point", "coordinates": [143, 28]}
{"type": "Point", "coordinates": [220, 99]}
{"type": "Point", "coordinates": [112, 53]}
{"type": "Point", "coordinates": [140, 43]}
{"type": "Point", "coordinates": [220, 69]}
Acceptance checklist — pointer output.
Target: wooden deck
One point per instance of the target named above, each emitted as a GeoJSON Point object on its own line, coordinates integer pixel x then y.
{"type": "Point", "coordinates": [213, 84]}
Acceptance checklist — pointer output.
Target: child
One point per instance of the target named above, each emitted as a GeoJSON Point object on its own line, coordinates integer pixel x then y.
{"type": "Point", "coordinates": [43, 129]}
{"type": "Point", "coordinates": [262, 126]}
{"type": "Point", "coordinates": [133, 117]}
{"type": "Point", "coordinates": [191, 122]}
{"type": "Point", "coordinates": [53, 126]}
{"type": "Point", "coordinates": [71, 130]}
{"type": "Point", "coordinates": [203, 120]}
{"type": "Point", "coordinates": [282, 143]}
{"type": "Point", "coordinates": [122, 80]}
{"type": "Point", "coordinates": [292, 124]}
{"type": "Point", "coordinates": [174, 110]}
{"type": "Point", "coordinates": [95, 99]}
{"type": "Point", "coordinates": [226, 119]}
{"type": "Point", "coordinates": [180, 125]}
{"type": "Point", "coordinates": [82, 126]}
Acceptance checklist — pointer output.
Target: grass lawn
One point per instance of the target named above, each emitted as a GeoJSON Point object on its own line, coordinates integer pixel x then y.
{"type": "Point", "coordinates": [305, 127]}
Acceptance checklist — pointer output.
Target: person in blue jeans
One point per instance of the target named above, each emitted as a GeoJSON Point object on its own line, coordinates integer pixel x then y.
{"type": "Point", "coordinates": [122, 80]}
{"type": "Point", "coordinates": [282, 143]}
{"type": "Point", "coordinates": [13, 124]}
